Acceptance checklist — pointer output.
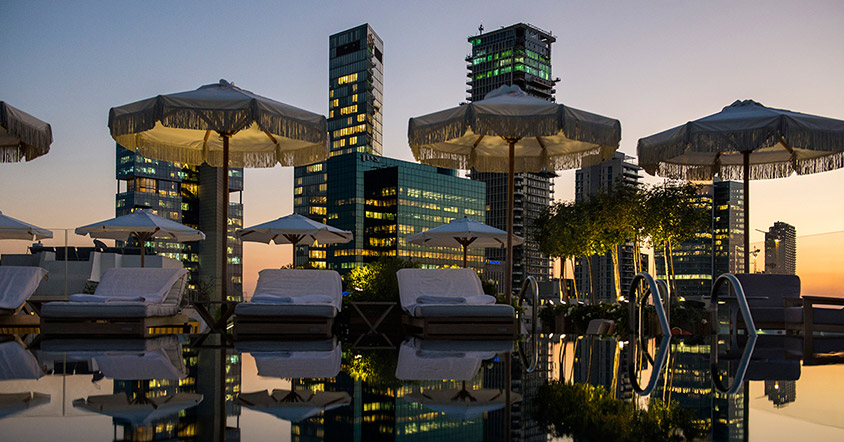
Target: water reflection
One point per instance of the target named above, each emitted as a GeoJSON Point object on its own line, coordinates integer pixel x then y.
{"type": "Point", "coordinates": [166, 388]}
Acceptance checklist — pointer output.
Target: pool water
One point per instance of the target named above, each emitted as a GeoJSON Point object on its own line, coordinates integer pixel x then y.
{"type": "Point", "coordinates": [406, 388]}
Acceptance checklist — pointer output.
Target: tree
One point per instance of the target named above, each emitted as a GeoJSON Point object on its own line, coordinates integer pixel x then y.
{"type": "Point", "coordinates": [560, 235]}
{"type": "Point", "coordinates": [615, 212]}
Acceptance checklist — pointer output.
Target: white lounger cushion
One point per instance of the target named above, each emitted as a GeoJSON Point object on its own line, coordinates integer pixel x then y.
{"type": "Point", "coordinates": [17, 284]}
{"type": "Point", "coordinates": [420, 288]}
{"type": "Point", "coordinates": [118, 294]}
{"type": "Point", "coordinates": [315, 293]}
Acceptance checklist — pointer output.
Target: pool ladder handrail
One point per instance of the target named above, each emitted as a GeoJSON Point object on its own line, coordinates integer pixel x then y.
{"type": "Point", "coordinates": [530, 281]}
{"type": "Point", "coordinates": [655, 288]}
{"type": "Point", "coordinates": [750, 326]}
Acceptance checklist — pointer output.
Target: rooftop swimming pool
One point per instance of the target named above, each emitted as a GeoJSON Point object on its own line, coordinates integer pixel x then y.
{"type": "Point", "coordinates": [391, 387]}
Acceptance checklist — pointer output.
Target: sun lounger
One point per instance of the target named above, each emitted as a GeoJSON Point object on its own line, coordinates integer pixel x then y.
{"type": "Point", "coordinates": [16, 362]}
{"type": "Point", "coordinates": [121, 359]}
{"type": "Point", "coordinates": [294, 359]}
{"type": "Point", "coordinates": [426, 359]}
{"type": "Point", "coordinates": [17, 284]}
{"type": "Point", "coordinates": [127, 301]}
{"type": "Point", "coordinates": [291, 302]}
{"type": "Point", "coordinates": [451, 302]}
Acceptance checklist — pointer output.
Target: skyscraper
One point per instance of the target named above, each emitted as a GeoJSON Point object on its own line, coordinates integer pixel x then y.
{"type": "Point", "coordinates": [781, 249]}
{"type": "Point", "coordinates": [717, 250]}
{"type": "Point", "coordinates": [515, 55]}
{"type": "Point", "coordinates": [189, 195]}
{"type": "Point", "coordinates": [381, 200]}
{"type": "Point", "coordinates": [588, 181]}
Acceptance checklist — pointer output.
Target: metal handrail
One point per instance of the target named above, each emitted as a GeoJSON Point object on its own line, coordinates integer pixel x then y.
{"type": "Point", "coordinates": [750, 326]}
{"type": "Point", "coordinates": [534, 301]}
{"type": "Point", "coordinates": [658, 364]}
{"type": "Point", "coordinates": [656, 294]}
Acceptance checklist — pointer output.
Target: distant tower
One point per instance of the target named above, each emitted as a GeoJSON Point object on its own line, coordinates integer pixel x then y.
{"type": "Point", "coordinates": [781, 249]}
{"type": "Point", "coordinates": [516, 55]}
{"type": "Point", "coordinates": [781, 393]}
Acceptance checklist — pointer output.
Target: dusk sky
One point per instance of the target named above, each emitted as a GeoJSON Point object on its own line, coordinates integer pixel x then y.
{"type": "Point", "coordinates": [651, 65]}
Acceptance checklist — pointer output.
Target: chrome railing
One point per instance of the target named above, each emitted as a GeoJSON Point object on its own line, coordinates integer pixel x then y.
{"type": "Point", "coordinates": [750, 326]}
{"type": "Point", "coordinates": [530, 288]}
{"type": "Point", "coordinates": [656, 295]}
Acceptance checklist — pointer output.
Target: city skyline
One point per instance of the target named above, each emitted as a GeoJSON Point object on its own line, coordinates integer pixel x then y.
{"type": "Point", "coordinates": [652, 67]}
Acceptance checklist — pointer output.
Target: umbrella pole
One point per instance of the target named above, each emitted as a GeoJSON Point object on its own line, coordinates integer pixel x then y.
{"type": "Point", "coordinates": [508, 272]}
{"type": "Point", "coordinates": [465, 247]}
{"type": "Point", "coordinates": [224, 229]}
{"type": "Point", "coordinates": [746, 172]}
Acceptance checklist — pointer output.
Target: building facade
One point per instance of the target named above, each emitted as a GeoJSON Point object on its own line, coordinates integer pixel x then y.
{"type": "Point", "coordinates": [718, 250]}
{"type": "Point", "coordinates": [379, 199]}
{"type": "Point", "coordinates": [515, 55]}
{"type": "Point", "coordinates": [188, 195]}
{"type": "Point", "coordinates": [589, 181]}
{"type": "Point", "coordinates": [781, 249]}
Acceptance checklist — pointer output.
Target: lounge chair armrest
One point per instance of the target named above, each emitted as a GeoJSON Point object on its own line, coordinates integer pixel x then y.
{"type": "Point", "coordinates": [793, 302]}
{"type": "Point", "coordinates": [810, 301]}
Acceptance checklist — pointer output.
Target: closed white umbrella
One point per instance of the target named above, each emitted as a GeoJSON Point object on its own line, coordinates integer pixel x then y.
{"type": "Point", "coordinates": [22, 136]}
{"type": "Point", "coordinates": [294, 229]}
{"type": "Point", "coordinates": [143, 225]}
{"type": "Point", "coordinates": [463, 232]}
{"type": "Point", "coordinates": [511, 131]}
{"type": "Point", "coordinates": [224, 126]}
{"type": "Point", "coordinates": [745, 140]}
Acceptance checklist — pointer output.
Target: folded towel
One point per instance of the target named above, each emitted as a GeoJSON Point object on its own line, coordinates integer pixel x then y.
{"type": "Point", "coordinates": [480, 300]}
{"type": "Point", "coordinates": [97, 298]}
{"type": "Point", "coordinates": [427, 299]}
{"type": "Point", "coordinates": [264, 298]}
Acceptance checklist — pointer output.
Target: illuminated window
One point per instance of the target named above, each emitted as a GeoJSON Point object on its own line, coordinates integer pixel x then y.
{"type": "Point", "coordinates": [314, 168]}
{"type": "Point", "coordinates": [349, 109]}
{"type": "Point", "coordinates": [361, 118]}
{"type": "Point", "coordinates": [334, 103]}
{"type": "Point", "coordinates": [355, 98]}
{"type": "Point", "coordinates": [347, 79]}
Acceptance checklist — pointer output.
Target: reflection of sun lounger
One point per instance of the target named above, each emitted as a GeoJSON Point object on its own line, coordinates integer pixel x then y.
{"type": "Point", "coordinates": [294, 359]}
{"type": "Point", "coordinates": [426, 359]}
{"type": "Point", "coordinates": [451, 302]}
{"type": "Point", "coordinates": [138, 411]}
{"type": "Point", "coordinates": [17, 284]}
{"type": "Point", "coordinates": [122, 359]}
{"type": "Point", "coordinates": [291, 302]}
{"type": "Point", "coordinates": [294, 406]}
{"type": "Point", "coordinates": [16, 362]}
{"type": "Point", "coordinates": [127, 301]}
{"type": "Point", "coordinates": [12, 403]}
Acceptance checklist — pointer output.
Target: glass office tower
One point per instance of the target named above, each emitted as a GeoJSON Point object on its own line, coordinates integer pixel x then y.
{"type": "Point", "coordinates": [177, 192]}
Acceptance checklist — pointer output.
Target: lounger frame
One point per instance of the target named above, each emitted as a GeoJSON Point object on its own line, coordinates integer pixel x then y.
{"type": "Point", "coordinates": [462, 327]}
{"type": "Point", "coordinates": [142, 327]}
{"type": "Point", "coordinates": [286, 326]}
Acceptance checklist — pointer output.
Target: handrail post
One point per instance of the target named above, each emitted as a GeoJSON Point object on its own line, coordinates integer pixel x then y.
{"type": "Point", "coordinates": [750, 326]}
{"type": "Point", "coordinates": [657, 300]}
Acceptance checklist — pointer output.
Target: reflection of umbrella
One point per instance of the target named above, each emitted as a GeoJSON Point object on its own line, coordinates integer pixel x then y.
{"type": "Point", "coordinates": [143, 225]}
{"type": "Point", "coordinates": [11, 228]}
{"type": "Point", "coordinates": [294, 406]}
{"type": "Point", "coordinates": [510, 131]}
{"type": "Point", "coordinates": [463, 232]}
{"type": "Point", "coordinates": [745, 140]}
{"type": "Point", "coordinates": [463, 404]}
{"type": "Point", "coordinates": [139, 410]}
{"type": "Point", "coordinates": [22, 136]}
{"type": "Point", "coordinates": [11, 403]}
{"type": "Point", "coordinates": [248, 131]}
{"type": "Point", "coordinates": [294, 229]}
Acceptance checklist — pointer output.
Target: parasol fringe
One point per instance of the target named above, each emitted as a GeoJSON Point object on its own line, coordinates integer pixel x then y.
{"type": "Point", "coordinates": [35, 141]}
{"type": "Point", "coordinates": [436, 133]}
{"type": "Point", "coordinates": [438, 158]}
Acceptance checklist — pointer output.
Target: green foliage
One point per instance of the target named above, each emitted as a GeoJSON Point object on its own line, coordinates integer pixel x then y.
{"type": "Point", "coordinates": [490, 287]}
{"type": "Point", "coordinates": [376, 281]}
{"type": "Point", "coordinates": [590, 413]}
{"type": "Point", "coordinates": [377, 367]}
{"type": "Point", "coordinates": [673, 213]}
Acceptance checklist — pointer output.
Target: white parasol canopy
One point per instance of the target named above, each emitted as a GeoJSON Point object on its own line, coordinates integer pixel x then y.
{"type": "Point", "coordinates": [463, 404]}
{"type": "Point", "coordinates": [463, 232]}
{"type": "Point", "coordinates": [745, 140]}
{"type": "Point", "coordinates": [294, 406]}
{"type": "Point", "coordinates": [294, 229]}
{"type": "Point", "coordinates": [222, 125]}
{"type": "Point", "coordinates": [22, 136]}
{"type": "Point", "coordinates": [139, 410]}
{"type": "Point", "coordinates": [511, 131]}
{"type": "Point", "coordinates": [143, 225]}
{"type": "Point", "coordinates": [11, 228]}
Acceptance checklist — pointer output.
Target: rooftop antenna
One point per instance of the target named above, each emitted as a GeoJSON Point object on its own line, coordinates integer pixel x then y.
{"type": "Point", "coordinates": [481, 28]}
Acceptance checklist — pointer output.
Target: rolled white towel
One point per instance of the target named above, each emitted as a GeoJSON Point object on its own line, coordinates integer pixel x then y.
{"type": "Point", "coordinates": [96, 298]}
{"type": "Point", "coordinates": [427, 299]}
{"type": "Point", "coordinates": [480, 300]}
